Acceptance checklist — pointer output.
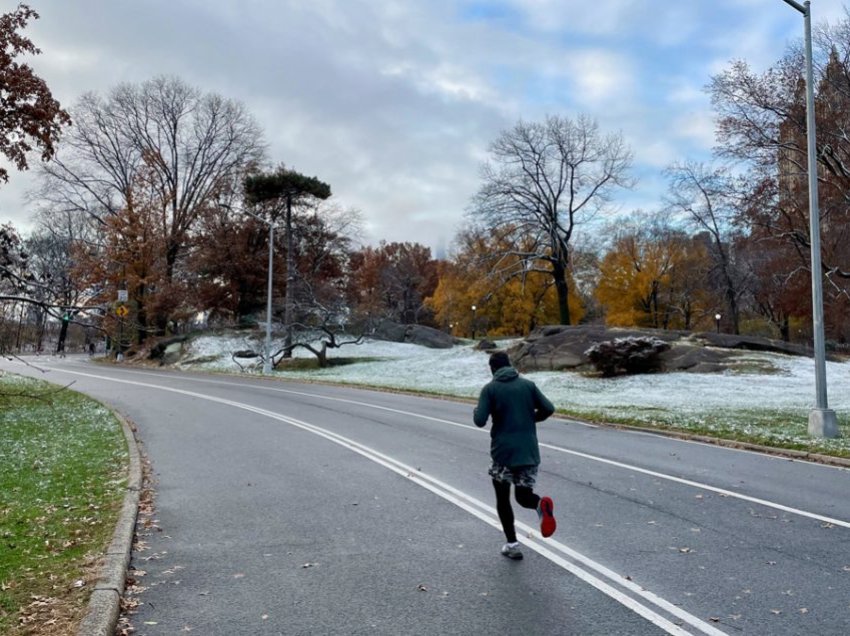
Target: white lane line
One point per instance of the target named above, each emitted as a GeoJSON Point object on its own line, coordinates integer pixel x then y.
{"type": "Point", "coordinates": [696, 484]}
{"type": "Point", "coordinates": [611, 462]}
{"type": "Point", "coordinates": [460, 499]}
{"type": "Point", "coordinates": [679, 480]}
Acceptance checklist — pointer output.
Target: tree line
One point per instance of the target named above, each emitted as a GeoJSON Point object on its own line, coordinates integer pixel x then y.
{"type": "Point", "coordinates": [157, 202]}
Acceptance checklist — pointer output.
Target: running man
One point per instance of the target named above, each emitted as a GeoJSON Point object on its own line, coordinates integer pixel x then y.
{"type": "Point", "coordinates": [516, 405]}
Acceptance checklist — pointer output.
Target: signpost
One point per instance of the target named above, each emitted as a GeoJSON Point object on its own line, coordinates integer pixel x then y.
{"type": "Point", "coordinates": [122, 311]}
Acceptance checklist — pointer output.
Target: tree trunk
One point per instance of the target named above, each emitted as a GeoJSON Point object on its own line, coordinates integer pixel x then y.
{"type": "Point", "coordinates": [733, 309]}
{"type": "Point", "coordinates": [63, 333]}
{"type": "Point", "coordinates": [559, 274]}
{"type": "Point", "coordinates": [142, 316]}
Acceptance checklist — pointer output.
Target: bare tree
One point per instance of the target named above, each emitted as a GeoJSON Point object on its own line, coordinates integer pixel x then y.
{"type": "Point", "coordinates": [185, 147]}
{"type": "Point", "coordinates": [709, 199]}
{"type": "Point", "coordinates": [51, 261]}
{"type": "Point", "coordinates": [544, 179]}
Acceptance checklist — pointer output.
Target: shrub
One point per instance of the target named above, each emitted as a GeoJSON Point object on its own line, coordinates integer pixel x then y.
{"type": "Point", "coordinates": [627, 355]}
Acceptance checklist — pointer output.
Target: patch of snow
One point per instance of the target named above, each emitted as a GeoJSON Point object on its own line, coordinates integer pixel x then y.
{"type": "Point", "coordinates": [462, 371]}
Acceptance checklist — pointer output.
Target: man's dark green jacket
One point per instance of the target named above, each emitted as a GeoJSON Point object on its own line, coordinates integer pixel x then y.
{"type": "Point", "coordinates": [516, 405]}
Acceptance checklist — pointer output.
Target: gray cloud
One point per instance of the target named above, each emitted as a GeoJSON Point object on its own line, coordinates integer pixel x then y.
{"type": "Point", "coordinates": [394, 103]}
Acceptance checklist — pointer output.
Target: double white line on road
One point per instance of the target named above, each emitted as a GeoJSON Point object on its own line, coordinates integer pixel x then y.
{"type": "Point", "coordinates": [650, 606]}
{"type": "Point", "coordinates": [596, 458]}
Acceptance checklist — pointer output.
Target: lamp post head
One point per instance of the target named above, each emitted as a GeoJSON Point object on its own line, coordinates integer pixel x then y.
{"type": "Point", "coordinates": [474, 308]}
{"type": "Point", "coordinates": [717, 316]}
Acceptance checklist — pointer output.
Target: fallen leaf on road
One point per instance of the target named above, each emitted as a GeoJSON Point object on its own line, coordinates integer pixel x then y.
{"type": "Point", "coordinates": [714, 619]}
{"type": "Point", "coordinates": [421, 587]}
{"type": "Point", "coordinates": [827, 525]}
{"type": "Point", "coordinates": [775, 611]}
{"type": "Point", "coordinates": [804, 610]}
{"type": "Point", "coordinates": [307, 565]}
{"type": "Point", "coordinates": [771, 562]}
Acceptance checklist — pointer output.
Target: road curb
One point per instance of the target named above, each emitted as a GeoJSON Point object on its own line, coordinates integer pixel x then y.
{"type": "Point", "coordinates": [105, 603]}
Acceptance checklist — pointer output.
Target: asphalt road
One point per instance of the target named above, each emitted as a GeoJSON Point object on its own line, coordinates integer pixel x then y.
{"type": "Point", "coordinates": [286, 508]}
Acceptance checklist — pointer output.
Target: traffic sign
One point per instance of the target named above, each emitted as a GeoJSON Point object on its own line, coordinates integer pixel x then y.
{"type": "Point", "coordinates": [122, 295]}
{"type": "Point", "coordinates": [121, 311]}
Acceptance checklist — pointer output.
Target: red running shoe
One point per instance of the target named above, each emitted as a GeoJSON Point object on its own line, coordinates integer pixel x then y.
{"type": "Point", "coordinates": [547, 518]}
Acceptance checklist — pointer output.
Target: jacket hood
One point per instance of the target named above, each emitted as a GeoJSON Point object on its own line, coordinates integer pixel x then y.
{"type": "Point", "coordinates": [505, 374]}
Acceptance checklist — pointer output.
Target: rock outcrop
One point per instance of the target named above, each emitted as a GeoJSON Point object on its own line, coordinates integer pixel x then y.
{"type": "Point", "coordinates": [413, 334]}
{"type": "Point", "coordinates": [560, 347]}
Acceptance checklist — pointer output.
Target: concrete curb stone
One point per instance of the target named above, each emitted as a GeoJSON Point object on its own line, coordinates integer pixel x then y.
{"type": "Point", "coordinates": [104, 605]}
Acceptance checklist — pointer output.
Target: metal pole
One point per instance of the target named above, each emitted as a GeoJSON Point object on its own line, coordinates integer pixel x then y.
{"type": "Point", "coordinates": [267, 362]}
{"type": "Point", "coordinates": [822, 421]}
{"type": "Point", "coordinates": [290, 279]}
{"type": "Point", "coordinates": [120, 355]}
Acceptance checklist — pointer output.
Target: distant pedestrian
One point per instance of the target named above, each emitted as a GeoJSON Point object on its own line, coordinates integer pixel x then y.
{"type": "Point", "coordinates": [516, 405]}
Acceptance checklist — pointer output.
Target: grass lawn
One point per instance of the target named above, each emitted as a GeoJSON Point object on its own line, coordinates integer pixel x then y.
{"type": "Point", "coordinates": [63, 467]}
{"type": "Point", "coordinates": [776, 428]}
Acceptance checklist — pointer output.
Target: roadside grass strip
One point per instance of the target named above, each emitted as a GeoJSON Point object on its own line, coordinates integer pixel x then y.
{"type": "Point", "coordinates": [63, 466]}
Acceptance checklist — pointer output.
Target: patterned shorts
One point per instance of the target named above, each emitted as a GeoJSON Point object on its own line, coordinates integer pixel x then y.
{"type": "Point", "coordinates": [518, 476]}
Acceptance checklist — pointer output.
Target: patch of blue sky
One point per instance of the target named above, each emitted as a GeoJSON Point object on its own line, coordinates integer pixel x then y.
{"type": "Point", "coordinates": [493, 11]}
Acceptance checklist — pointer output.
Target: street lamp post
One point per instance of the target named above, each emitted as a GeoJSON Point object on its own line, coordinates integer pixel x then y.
{"type": "Point", "coordinates": [717, 321]}
{"type": "Point", "coordinates": [822, 421]}
{"type": "Point", "coordinates": [267, 355]}
{"type": "Point", "coordinates": [473, 321]}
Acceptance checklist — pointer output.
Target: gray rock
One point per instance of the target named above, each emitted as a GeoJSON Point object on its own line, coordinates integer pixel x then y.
{"type": "Point", "coordinates": [687, 357]}
{"type": "Point", "coordinates": [172, 354]}
{"type": "Point", "coordinates": [428, 337]}
{"type": "Point", "coordinates": [486, 345]}
{"type": "Point", "coordinates": [389, 330]}
{"type": "Point", "coordinates": [160, 348]}
{"type": "Point", "coordinates": [562, 347]}
{"type": "Point", "coordinates": [413, 334]}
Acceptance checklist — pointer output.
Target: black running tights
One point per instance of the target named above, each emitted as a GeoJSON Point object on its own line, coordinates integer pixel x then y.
{"type": "Point", "coordinates": [525, 497]}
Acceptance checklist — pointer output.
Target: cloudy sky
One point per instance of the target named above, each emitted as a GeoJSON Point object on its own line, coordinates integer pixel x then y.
{"type": "Point", "coordinates": [394, 102]}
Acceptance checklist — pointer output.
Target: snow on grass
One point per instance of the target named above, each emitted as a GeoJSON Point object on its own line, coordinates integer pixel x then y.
{"type": "Point", "coordinates": [769, 407]}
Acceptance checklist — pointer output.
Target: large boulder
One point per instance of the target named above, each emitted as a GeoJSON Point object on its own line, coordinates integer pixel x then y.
{"type": "Point", "coordinates": [413, 334]}
{"type": "Point", "coordinates": [168, 350]}
{"type": "Point", "coordinates": [389, 331]}
{"type": "Point", "coordinates": [562, 347]}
